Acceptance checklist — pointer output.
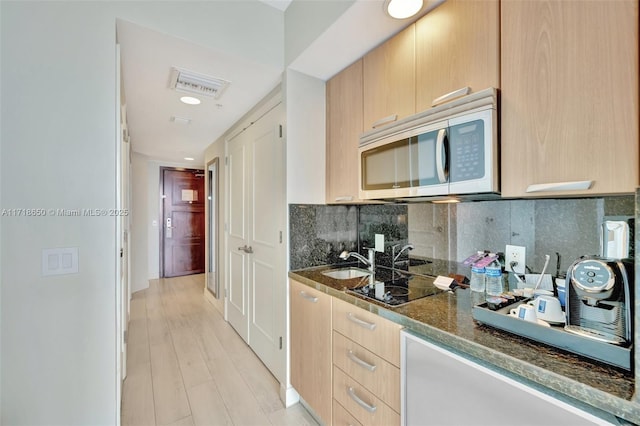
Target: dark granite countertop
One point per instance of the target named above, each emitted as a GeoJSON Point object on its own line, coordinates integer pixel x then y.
{"type": "Point", "coordinates": [445, 319]}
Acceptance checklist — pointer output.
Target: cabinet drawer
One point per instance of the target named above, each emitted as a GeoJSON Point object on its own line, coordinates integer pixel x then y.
{"type": "Point", "coordinates": [375, 333]}
{"type": "Point", "coordinates": [374, 373]}
{"type": "Point", "coordinates": [361, 403]}
{"type": "Point", "coordinates": [342, 417]}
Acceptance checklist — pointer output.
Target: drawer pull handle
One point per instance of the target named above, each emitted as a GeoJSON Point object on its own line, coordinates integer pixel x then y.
{"type": "Point", "coordinates": [353, 357]}
{"type": "Point", "coordinates": [367, 325]}
{"type": "Point", "coordinates": [451, 96]}
{"type": "Point", "coordinates": [356, 398]}
{"type": "Point", "coordinates": [344, 198]}
{"type": "Point", "coordinates": [388, 119]}
{"type": "Point", "coordinates": [309, 298]}
{"type": "Point", "coordinates": [560, 186]}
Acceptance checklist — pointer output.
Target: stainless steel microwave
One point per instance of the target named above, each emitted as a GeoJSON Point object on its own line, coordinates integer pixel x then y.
{"type": "Point", "coordinates": [448, 150]}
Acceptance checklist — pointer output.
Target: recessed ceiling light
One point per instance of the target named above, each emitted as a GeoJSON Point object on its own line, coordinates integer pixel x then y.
{"type": "Point", "coordinates": [190, 100]}
{"type": "Point", "coordinates": [189, 158]}
{"type": "Point", "coordinates": [402, 9]}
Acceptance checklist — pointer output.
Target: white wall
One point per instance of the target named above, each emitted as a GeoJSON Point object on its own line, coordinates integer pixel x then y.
{"type": "Point", "coordinates": [58, 144]}
{"type": "Point", "coordinates": [306, 129]}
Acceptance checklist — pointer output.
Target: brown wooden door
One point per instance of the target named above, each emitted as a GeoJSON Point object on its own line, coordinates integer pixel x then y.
{"type": "Point", "coordinates": [183, 222]}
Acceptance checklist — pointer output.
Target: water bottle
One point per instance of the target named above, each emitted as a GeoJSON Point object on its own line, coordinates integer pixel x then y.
{"type": "Point", "coordinates": [477, 278]}
{"type": "Point", "coordinates": [493, 278]}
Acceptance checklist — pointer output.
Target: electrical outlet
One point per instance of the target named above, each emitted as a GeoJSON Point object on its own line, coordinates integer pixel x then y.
{"type": "Point", "coordinates": [515, 254]}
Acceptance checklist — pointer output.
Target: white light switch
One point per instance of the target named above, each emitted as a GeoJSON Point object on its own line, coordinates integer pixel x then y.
{"type": "Point", "coordinates": [67, 261]}
{"type": "Point", "coordinates": [54, 261]}
{"type": "Point", "coordinates": [59, 261]}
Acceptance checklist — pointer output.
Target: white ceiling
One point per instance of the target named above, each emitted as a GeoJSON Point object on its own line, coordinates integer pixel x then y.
{"type": "Point", "coordinates": [147, 60]}
{"type": "Point", "coordinates": [148, 57]}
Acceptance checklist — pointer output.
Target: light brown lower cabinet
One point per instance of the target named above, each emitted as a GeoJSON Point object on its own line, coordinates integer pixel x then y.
{"type": "Point", "coordinates": [366, 365]}
{"type": "Point", "coordinates": [310, 345]}
{"type": "Point", "coordinates": [345, 361]}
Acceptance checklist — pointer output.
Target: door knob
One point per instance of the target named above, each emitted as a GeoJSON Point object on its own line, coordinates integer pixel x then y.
{"type": "Point", "coordinates": [246, 249]}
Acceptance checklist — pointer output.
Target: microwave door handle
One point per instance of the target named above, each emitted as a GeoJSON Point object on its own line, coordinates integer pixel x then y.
{"type": "Point", "coordinates": [440, 163]}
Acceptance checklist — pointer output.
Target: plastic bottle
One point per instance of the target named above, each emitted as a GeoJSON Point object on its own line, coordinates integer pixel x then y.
{"type": "Point", "coordinates": [474, 258]}
{"type": "Point", "coordinates": [493, 278]}
{"type": "Point", "coordinates": [478, 276]}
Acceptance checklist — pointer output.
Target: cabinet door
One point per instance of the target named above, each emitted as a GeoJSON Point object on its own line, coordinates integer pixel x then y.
{"type": "Point", "coordinates": [457, 45]}
{"type": "Point", "coordinates": [310, 334]}
{"type": "Point", "coordinates": [390, 80]}
{"type": "Point", "coordinates": [569, 95]}
{"type": "Point", "coordinates": [344, 126]}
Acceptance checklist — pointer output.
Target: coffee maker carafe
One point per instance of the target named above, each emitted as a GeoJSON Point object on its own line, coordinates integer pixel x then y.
{"type": "Point", "coordinates": [599, 299]}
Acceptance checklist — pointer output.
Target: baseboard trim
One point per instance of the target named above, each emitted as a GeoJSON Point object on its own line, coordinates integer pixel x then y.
{"type": "Point", "coordinates": [288, 395]}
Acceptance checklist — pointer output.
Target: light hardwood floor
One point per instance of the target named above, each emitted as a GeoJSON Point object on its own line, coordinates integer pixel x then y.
{"type": "Point", "coordinates": [187, 366]}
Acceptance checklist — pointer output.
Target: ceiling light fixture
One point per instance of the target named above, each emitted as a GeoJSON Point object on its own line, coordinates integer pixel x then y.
{"type": "Point", "coordinates": [189, 158]}
{"type": "Point", "coordinates": [199, 84]}
{"type": "Point", "coordinates": [402, 9]}
{"type": "Point", "coordinates": [190, 100]}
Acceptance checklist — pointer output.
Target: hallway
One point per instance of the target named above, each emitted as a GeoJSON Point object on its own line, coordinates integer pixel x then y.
{"type": "Point", "coordinates": [187, 366]}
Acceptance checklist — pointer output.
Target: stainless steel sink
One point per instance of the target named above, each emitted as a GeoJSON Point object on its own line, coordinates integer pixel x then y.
{"type": "Point", "coordinates": [346, 273]}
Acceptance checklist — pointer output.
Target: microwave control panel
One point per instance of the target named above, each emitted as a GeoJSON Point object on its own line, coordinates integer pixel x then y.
{"type": "Point", "coordinates": [466, 146]}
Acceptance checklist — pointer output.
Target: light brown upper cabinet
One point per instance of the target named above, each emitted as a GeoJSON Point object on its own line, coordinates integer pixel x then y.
{"type": "Point", "coordinates": [344, 126]}
{"type": "Point", "coordinates": [569, 97]}
{"type": "Point", "coordinates": [457, 45]}
{"type": "Point", "coordinates": [390, 80]}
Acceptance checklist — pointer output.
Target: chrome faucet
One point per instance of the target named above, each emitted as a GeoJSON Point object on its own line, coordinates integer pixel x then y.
{"type": "Point", "coordinates": [371, 262]}
{"type": "Point", "coordinates": [395, 256]}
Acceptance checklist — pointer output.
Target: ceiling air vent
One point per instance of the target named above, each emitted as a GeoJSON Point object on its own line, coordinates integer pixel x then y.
{"type": "Point", "coordinates": [199, 84]}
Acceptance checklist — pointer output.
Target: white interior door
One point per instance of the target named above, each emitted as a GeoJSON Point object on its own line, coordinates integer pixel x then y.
{"type": "Point", "coordinates": [124, 245]}
{"type": "Point", "coordinates": [257, 282]}
{"type": "Point", "coordinates": [266, 279]}
{"type": "Point", "coordinates": [122, 239]}
{"type": "Point", "coordinates": [238, 237]}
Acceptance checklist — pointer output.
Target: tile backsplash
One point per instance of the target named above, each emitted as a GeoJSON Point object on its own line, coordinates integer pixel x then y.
{"type": "Point", "coordinates": [451, 232]}
{"type": "Point", "coordinates": [318, 234]}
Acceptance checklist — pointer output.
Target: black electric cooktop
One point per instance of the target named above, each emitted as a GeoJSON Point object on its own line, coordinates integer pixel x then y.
{"type": "Point", "coordinates": [395, 289]}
